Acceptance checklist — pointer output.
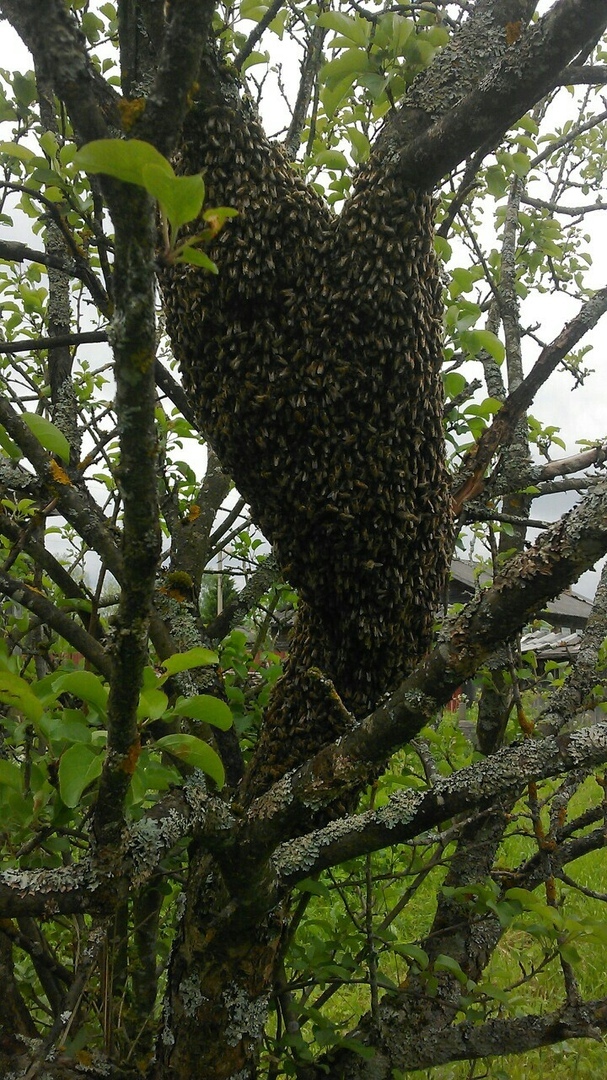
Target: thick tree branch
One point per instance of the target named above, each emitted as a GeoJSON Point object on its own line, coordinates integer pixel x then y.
{"type": "Point", "coordinates": [409, 813]}
{"type": "Point", "coordinates": [90, 100]}
{"type": "Point", "coordinates": [83, 888]}
{"type": "Point", "coordinates": [177, 69]}
{"type": "Point", "coordinates": [528, 71]}
{"type": "Point", "coordinates": [134, 347]}
{"type": "Point", "coordinates": [400, 1049]}
{"type": "Point", "coordinates": [529, 581]}
{"type": "Point", "coordinates": [588, 74]}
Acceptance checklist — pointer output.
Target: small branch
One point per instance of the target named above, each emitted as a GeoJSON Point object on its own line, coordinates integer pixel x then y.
{"type": "Point", "coordinates": [558, 208]}
{"type": "Point", "coordinates": [43, 558]}
{"type": "Point", "coordinates": [309, 72]}
{"type": "Point", "coordinates": [36, 344]}
{"type": "Point", "coordinates": [471, 479]}
{"type": "Point", "coordinates": [221, 530]}
{"type": "Point", "coordinates": [13, 251]}
{"type": "Point", "coordinates": [588, 74]}
{"type": "Point", "coordinates": [76, 504]}
{"type": "Point", "coordinates": [175, 392]}
{"type": "Point", "coordinates": [257, 33]}
{"type": "Point", "coordinates": [478, 514]}
{"type": "Point", "coordinates": [260, 582]}
{"type": "Point", "coordinates": [52, 616]}
{"type": "Point", "coordinates": [570, 137]}
{"type": "Point", "coordinates": [455, 402]}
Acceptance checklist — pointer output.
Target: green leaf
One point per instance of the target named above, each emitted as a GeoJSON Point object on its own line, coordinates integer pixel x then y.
{"type": "Point", "coordinates": [333, 95]}
{"type": "Point", "coordinates": [16, 150]}
{"type": "Point", "coordinates": [255, 58]}
{"type": "Point", "coordinates": [78, 767]}
{"type": "Point", "coordinates": [414, 953]}
{"type": "Point", "coordinates": [121, 158]}
{"type": "Point", "coordinates": [462, 280]}
{"type": "Point", "coordinates": [453, 382]}
{"type": "Point", "coordinates": [360, 144]}
{"type": "Point", "coordinates": [184, 661]}
{"type": "Point", "coordinates": [180, 197]}
{"type": "Point", "coordinates": [10, 448]}
{"type": "Point", "coordinates": [315, 888]}
{"type": "Point", "coordinates": [48, 435]}
{"type": "Point", "coordinates": [497, 183]}
{"type": "Point", "coordinates": [66, 728]}
{"type": "Point", "coordinates": [350, 63]}
{"type": "Point", "coordinates": [194, 752]}
{"type": "Point", "coordinates": [10, 775]}
{"type": "Point", "coordinates": [475, 341]}
{"type": "Point", "coordinates": [356, 30]}
{"type": "Point", "coordinates": [17, 694]}
{"type": "Point", "coordinates": [84, 685]}
{"type": "Point", "coordinates": [520, 163]}
{"type": "Point", "coordinates": [447, 963]}
{"type": "Point", "coordinates": [196, 257]}
{"type": "Point", "coordinates": [206, 708]}
{"type": "Point", "coordinates": [153, 704]}
{"type": "Point", "coordinates": [526, 899]}
{"type": "Point", "coordinates": [331, 159]}
{"type": "Point", "coordinates": [442, 248]}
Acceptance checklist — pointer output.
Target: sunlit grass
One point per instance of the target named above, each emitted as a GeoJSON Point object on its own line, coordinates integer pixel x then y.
{"type": "Point", "coordinates": [520, 965]}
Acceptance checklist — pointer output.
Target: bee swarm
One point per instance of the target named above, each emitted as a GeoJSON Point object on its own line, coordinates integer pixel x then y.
{"type": "Point", "coordinates": [313, 362]}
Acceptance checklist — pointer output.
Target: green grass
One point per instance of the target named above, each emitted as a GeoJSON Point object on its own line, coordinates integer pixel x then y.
{"type": "Point", "coordinates": [541, 992]}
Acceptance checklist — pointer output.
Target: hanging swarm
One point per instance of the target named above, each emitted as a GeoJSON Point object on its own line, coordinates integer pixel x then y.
{"type": "Point", "coordinates": [313, 361]}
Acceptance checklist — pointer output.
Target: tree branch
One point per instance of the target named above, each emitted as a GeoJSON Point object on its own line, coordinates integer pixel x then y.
{"type": "Point", "coordinates": [14, 251]}
{"type": "Point", "coordinates": [465, 1042]}
{"type": "Point", "coordinates": [52, 616]}
{"type": "Point", "coordinates": [471, 479]}
{"type": "Point", "coordinates": [409, 813]}
{"type": "Point", "coordinates": [528, 71]}
{"type": "Point", "coordinates": [176, 73]}
{"type": "Point", "coordinates": [90, 100]}
{"type": "Point", "coordinates": [81, 887]}
{"type": "Point", "coordinates": [528, 582]}
{"type": "Point", "coordinates": [257, 33]}
{"type": "Point", "coordinates": [588, 74]}
{"type": "Point", "coordinates": [35, 344]}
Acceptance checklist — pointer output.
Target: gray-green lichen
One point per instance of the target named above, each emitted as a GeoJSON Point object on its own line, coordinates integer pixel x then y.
{"type": "Point", "coordinates": [191, 995]}
{"type": "Point", "coordinates": [247, 1017]}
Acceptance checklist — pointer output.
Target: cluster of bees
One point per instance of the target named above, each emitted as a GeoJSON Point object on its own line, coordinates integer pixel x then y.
{"type": "Point", "coordinates": [313, 362]}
